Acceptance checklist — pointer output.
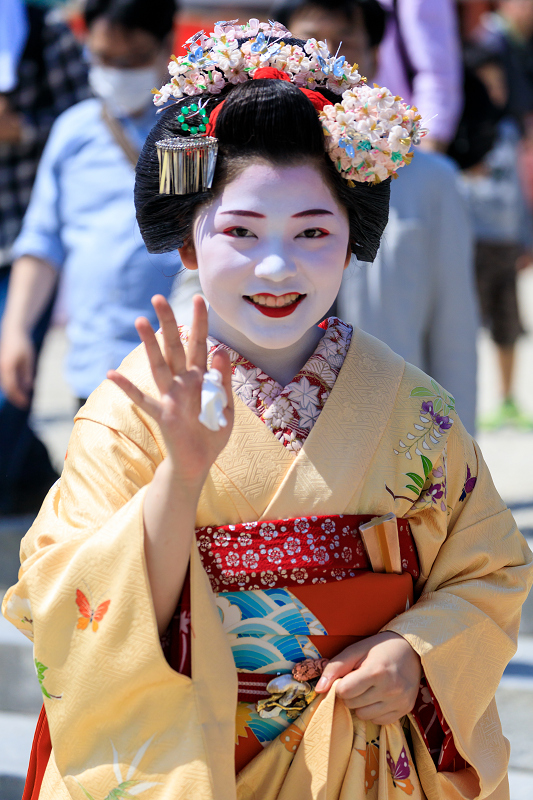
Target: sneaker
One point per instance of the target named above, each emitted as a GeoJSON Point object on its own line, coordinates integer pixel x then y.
{"type": "Point", "coordinates": [507, 416]}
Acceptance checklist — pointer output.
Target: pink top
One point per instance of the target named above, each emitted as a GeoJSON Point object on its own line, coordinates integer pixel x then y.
{"type": "Point", "coordinates": [431, 42]}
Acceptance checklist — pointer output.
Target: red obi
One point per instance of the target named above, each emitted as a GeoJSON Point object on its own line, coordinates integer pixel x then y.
{"type": "Point", "coordinates": [322, 561]}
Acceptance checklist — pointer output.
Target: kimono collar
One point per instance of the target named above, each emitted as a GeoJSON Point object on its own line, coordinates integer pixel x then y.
{"type": "Point", "coordinates": [290, 412]}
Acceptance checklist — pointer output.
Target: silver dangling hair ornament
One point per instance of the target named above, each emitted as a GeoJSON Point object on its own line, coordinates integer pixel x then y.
{"type": "Point", "coordinates": [186, 164]}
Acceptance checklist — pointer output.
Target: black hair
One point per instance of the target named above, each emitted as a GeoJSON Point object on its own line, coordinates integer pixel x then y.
{"type": "Point", "coordinates": [155, 17]}
{"type": "Point", "coordinates": [261, 119]}
{"type": "Point", "coordinates": [374, 15]}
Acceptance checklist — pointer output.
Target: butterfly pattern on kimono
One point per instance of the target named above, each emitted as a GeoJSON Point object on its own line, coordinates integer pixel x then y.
{"type": "Point", "coordinates": [371, 756]}
{"type": "Point", "coordinates": [470, 482]}
{"type": "Point", "coordinates": [90, 614]}
{"type": "Point", "coordinates": [400, 772]}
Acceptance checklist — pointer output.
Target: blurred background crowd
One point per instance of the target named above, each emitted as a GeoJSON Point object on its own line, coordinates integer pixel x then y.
{"type": "Point", "coordinates": [75, 108]}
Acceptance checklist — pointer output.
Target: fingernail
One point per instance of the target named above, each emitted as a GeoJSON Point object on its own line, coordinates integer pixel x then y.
{"type": "Point", "coordinates": [322, 683]}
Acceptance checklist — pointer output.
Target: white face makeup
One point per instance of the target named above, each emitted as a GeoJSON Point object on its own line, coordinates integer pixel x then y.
{"type": "Point", "coordinates": [271, 251]}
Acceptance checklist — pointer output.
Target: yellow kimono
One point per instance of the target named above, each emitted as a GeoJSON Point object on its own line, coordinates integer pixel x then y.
{"type": "Point", "coordinates": [124, 724]}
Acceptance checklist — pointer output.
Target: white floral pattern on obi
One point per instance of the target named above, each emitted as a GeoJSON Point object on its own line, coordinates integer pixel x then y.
{"type": "Point", "coordinates": [291, 411]}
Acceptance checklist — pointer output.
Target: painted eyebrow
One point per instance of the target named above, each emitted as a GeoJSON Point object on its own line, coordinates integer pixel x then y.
{"type": "Point", "coordinates": [238, 213]}
{"type": "Point", "coordinates": [311, 212]}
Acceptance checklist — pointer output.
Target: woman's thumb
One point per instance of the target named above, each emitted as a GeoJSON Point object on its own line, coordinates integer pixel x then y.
{"type": "Point", "coordinates": [340, 665]}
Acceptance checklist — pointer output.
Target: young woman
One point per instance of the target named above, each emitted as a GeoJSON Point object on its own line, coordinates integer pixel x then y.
{"type": "Point", "coordinates": [186, 586]}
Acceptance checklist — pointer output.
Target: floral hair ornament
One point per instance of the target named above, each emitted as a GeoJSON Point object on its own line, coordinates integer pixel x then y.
{"type": "Point", "coordinates": [368, 133]}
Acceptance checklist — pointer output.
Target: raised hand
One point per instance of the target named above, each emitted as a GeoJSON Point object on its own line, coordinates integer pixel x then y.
{"type": "Point", "coordinates": [380, 677]}
{"type": "Point", "coordinates": [191, 447]}
{"type": "Point", "coordinates": [171, 500]}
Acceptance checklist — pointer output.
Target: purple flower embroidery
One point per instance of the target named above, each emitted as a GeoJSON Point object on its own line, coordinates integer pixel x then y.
{"type": "Point", "coordinates": [469, 484]}
{"type": "Point", "coordinates": [435, 492]}
{"type": "Point", "coordinates": [443, 423]}
{"type": "Point", "coordinates": [427, 408]}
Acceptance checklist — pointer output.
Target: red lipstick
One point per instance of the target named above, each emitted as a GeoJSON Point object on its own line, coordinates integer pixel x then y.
{"type": "Point", "coordinates": [276, 311]}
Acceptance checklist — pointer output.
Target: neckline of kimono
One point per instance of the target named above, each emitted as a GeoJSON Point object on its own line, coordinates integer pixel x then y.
{"type": "Point", "coordinates": [295, 456]}
{"type": "Point", "coordinates": [351, 476]}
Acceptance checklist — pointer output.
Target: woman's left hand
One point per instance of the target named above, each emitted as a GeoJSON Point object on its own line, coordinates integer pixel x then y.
{"type": "Point", "coordinates": [380, 677]}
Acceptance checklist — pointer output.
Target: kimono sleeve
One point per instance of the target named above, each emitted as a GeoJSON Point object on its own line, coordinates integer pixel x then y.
{"type": "Point", "coordinates": [465, 622]}
{"type": "Point", "coordinates": [83, 593]}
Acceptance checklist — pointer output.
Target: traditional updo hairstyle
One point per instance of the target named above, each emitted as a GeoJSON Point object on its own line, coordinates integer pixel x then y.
{"type": "Point", "coordinates": [270, 120]}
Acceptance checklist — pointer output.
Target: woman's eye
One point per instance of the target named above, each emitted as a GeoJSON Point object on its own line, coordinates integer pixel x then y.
{"type": "Point", "coordinates": [239, 233]}
{"type": "Point", "coordinates": [312, 233]}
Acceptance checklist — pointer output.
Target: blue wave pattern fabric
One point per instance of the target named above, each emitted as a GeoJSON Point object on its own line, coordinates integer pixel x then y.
{"type": "Point", "coordinates": [268, 631]}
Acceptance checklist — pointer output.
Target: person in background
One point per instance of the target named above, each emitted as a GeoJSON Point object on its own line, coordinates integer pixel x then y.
{"type": "Point", "coordinates": [42, 73]}
{"type": "Point", "coordinates": [508, 32]}
{"type": "Point", "coordinates": [418, 296]}
{"type": "Point", "coordinates": [503, 229]}
{"type": "Point", "coordinates": [420, 59]}
{"type": "Point", "coordinates": [81, 219]}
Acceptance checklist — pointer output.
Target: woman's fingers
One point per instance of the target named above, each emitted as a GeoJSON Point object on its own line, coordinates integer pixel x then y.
{"type": "Point", "coordinates": [160, 370]}
{"type": "Point", "coordinates": [352, 695]}
{"type": "Point", "coordinates": [341, 665]}
{"type": "Point", "coordinates": [174, 352]}
{"type": "Point", "coordinates": [144, 401]}
{"type": "Point", "coordinates": [197, 349]}
{"type": "Point", "coordinates": [379, 713]}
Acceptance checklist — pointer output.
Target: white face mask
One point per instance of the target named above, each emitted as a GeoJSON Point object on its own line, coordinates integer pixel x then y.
{"type": "Point", "coordinates": [124, 91]}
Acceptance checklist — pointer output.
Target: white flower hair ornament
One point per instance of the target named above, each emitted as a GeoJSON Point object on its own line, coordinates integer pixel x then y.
{"type": "Point", "coordinates": [368, 133]}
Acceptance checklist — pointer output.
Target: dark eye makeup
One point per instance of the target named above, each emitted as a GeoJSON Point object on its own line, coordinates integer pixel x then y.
{"type": "Point", "coordinates": [313, 233]}
{"type": "Point", "coordinates": [239, 232]}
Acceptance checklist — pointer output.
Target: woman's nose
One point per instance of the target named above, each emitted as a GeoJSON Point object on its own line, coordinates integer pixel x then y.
{"type": "Point", "coordinates": [275, 267]}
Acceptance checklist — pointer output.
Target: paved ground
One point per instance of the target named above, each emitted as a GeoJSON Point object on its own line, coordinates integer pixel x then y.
{"type": "Point", "coordinates": [510, 458]}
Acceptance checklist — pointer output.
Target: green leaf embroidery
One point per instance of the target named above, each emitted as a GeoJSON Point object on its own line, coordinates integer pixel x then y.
{"type": "Point", "coordinates": [421, 391]}
{"type": "Point", "coordinates": [416, 478]}
{"type": "Point", "coordinates": [120, 792]}
{"type": "Point", "coordinates": [413, 489]}
{"type": "Point", "coordinates": [428, 466]}
{"type": "Point", "coordinates": [84, 790]}
{"type": "Point", "coordinates": [41, 669]}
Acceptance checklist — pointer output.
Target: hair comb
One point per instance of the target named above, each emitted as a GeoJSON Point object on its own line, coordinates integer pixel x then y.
{"type": "Point", "coordinates": [186, 164]}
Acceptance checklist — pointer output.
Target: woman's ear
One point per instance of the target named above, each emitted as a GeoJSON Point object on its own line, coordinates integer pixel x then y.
{"type": "Point", "coordinates": [188, 255]}
{"type": "Point", "coordinates": [348, 256]}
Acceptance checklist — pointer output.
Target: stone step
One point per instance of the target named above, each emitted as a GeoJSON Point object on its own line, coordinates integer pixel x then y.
{"type": "Point", "coordinates": [19, 688]}
{"type": "Point", "coordinates": [16, 737]}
